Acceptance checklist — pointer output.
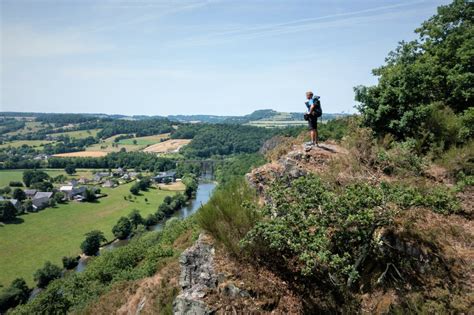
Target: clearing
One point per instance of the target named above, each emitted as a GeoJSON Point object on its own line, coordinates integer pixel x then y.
{"type": "Point", "coordinates": [172, 186]}
{"type": "Point", "coordinates": [168, 146]}
{"type": "Point", "coordinates": [148, 140]}
{"type": "Point", "coordinates": [56, 232]}
{"type": "Point", "coordinates": [108, 145]}
{"type": "Point", "coordinates": [82, 154]}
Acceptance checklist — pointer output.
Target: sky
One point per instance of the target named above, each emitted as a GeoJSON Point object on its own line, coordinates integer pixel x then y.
{"type": "Point", "coordinates": [165, 57]}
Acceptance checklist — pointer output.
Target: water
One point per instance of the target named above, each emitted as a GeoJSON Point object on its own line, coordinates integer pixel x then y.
{"type": "Point", "coordinates": [203, 194]}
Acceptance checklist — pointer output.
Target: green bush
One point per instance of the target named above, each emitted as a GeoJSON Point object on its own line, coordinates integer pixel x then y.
{"type": "Point", "coordinates": [230, 213]}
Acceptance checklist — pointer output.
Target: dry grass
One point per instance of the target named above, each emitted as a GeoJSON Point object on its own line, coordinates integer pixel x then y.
{"type": "Point", "coordinates": [82, 154]}
{"type": "Point", "coordinates": [176, 186]}
{"type": "Point", "coordinates": [168, 146]}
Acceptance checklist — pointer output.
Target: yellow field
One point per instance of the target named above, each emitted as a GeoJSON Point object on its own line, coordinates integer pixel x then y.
{"type": "Point", "coordinates": [173, 145]}
{"type": "Point", "coordinates": [82, 154]}
{"type": "Point", "coordinates": [172, 186]}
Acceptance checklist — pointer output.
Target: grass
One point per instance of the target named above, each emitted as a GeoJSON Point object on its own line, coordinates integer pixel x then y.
{"type": "Point", "coordinates": [148, 140]}
{"type": "Point", "coordinates": [19, 143]}
{"type": "Point", "coordinates": [78, 134]}
{"type": "Point", "coordinates": [57, 232]}
{"type": "Point", "coordinates": [107, 147]}
{"type": "Point", "coordinates": [17, 175]}
{"type": "Point", "coordinates": [30, 126]}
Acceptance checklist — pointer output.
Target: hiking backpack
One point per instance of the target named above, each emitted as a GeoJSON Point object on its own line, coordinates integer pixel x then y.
{"type": "Point", "coordinates": [317, 110]}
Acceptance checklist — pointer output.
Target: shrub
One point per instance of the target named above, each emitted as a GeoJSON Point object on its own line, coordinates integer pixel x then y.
{"type": "Point", "coordinates": [48, 273]}
{"type": "Point", "coordinates": [70, 262]}
{"type": "Point", "coordinates": [16, 184]}
{"type": "Point", "coordinates": [230, 214]}
{"type": "Point", "coordinates": [122, 229]}
{"type": "Point", "coordinates": [90, 246]}
{"type": "Point", "coordinates": [17, 293]}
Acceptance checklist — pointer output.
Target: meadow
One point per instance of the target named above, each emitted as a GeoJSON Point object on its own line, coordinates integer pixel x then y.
{"type": "Point", "coordinates": [30, 126]}
{"type": "Point", "coordinates": [56, 232]}
{"type": "Point", "coordinates": [6, 176]}
{"type": "Point", "coordinates": [19, 143]}
{"type": "Point", "coordinates": [78, 134]}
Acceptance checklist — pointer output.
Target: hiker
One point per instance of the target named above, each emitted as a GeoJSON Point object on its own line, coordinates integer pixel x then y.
{"type": "Point", "coordinates": [314, 112]}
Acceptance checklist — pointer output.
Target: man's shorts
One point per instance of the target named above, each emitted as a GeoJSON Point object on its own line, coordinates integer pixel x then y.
{"type": "Point", "coordinates": [313, 122]}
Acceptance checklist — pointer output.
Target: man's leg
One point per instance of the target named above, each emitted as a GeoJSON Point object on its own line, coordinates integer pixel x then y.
{"type": "Point", "coordinates": [313, 136]}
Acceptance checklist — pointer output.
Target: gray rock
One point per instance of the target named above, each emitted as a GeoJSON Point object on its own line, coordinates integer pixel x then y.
{"type": "Point", "coordinates": [196, 279]}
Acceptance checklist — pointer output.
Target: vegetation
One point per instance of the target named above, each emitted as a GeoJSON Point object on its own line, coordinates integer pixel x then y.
{"type": "Point", "coordinates": [70, 262]}
{"type": "Point", "coordinates": [17, 293]}
{"type": "Point", "coordinates": [122, 229]}
{"type": "Point", "coordinates": [425, 89]}
{"type": "Point", "coordinates": [141, 258]}
{"type": "Point", "coordinates": [48, 273]}
{"type": "Point", "coordinates": [90, 246]}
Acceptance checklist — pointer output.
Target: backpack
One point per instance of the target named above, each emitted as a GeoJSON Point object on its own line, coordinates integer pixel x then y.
{"type": "Point", "coordinates": [318, 112]}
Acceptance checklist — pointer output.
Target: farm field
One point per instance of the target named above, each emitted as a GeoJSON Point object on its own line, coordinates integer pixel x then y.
{"type": "Point", "coordinates": [56, 232]}
{"type": "Point", "coordinates": [30, 126]}
{"type": "Point", "coordinates": [167, 146]}
{"type": "Point", "coordinates": [19, 143]}
{"type": "Point", "coordinates": [176, 186]}
{"type": "Point", "coordinates": [108, 145]}
{"type": "Point", "coordinates": [82, 154]}
{"type": "Point", "coordinates": [78, 134]}
{"type": "Point", "coordinates": [17, 175]}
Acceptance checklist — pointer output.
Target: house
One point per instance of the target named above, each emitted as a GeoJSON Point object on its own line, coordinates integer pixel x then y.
{"type": "Point", "coordinates": [119, 172]}
{"type": "Point", "coordinates": [126, 177]}
{"type": "Point", "coordinates": [133, 174]}
{"type": "Point", "coordinates": [71, 191]}
{"type": "Point", "coordinates": [41, 199]}
{"type": "Point", "coordinates": [73, 182]}
{"type": "Point", "coordinates": [83, 180]}
{"type": "Point", "coordinates": [30, 193]}
{"type": "Point", "coordinates": [100, 175]}
{"type": "Point", "coordinates": [163, 177]}
{"type": "Point", "coordinates": [109, 184]}
{"type": "Point", "coordinates": [41, 156]}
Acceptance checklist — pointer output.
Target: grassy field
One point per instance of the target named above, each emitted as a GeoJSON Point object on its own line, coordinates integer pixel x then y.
{"type": "Point", "coordinates": [16, 175]}
{"type": "Point", "coordinates": [148, 140]}
{"type": "Point", "coordinates": [31, 143]}
{"type": "Point", "coordinates": [107, 147]}
{"type": "Point", "coordinates": [30, 126]}
{"type": "Point", "coordinates": [57, 232]}
{"type": "Point", "coordinates": [79, 134]}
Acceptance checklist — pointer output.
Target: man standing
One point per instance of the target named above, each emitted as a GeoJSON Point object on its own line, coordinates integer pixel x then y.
{"type": "Point", "coordinates": [314, 111]}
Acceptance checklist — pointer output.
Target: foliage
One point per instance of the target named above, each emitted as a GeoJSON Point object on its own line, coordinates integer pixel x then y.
{"type": "Point", "coordinates": [427, 83]}
{"type": "Point", "coordinates": [15, 184]}
{"type": "Point", "coordinates": [318, 230]}
{"type": "Point", "coordinates": [139, 259]}
{"type": "Point", "coordinates": [70, 262]}
{"type": "Point", "coordinates": [19, 194]}
{"type": "Point", "coordinates": [140, 128]}
{"type": "Point", "coordinates": [17, 293]}
{"type": "Point", "coordinates": [135, 218]}
{"type": "Point", "coordinates": [230, 213]}
{"type": "Point", "coordinates": [237, 166]}
{"type": "Point", "coordinates": [90, 195]}
{"type": "Point", "coordinates": [48, 273]}
{"type": "Point", "coordinates": [123, 228]}
{"type": "Point", "coordinates": [90, 246]}
{"type": "Point", "coordinates": [7, 211]}
{"type": "Point", "coordinates": [34, 176]}
{"type": "Point", "coordinates": [70, 169]}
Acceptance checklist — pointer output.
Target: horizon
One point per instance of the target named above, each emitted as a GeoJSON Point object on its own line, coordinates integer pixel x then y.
{"type": "Point", "coordinates": [195, 57]}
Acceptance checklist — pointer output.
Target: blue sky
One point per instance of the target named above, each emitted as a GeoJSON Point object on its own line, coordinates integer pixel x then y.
{"type": "Point", "coordinates": [161, 57]}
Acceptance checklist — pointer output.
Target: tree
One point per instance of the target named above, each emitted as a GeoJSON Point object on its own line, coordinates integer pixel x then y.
{"type": "Point", "coordinates": [34, 176]}
{"type": "Point", "coordinates": [17, 293]}
{"type": "Point", "coordinates": [27, 205]}
{"type": "Point", "coordinates": [42, 186]}
{"type": "Point", "coordinates": [70, 169]}
{"type": "Point", "coordinates": [135, 189]}
{"type": "Point", "coordinates": [89, 195]}
{"type": "Point", "coordinates": [90, 246]}
{"type": "Point", "coordinates": [70, 262]}
{"type": "Point", "coordinates": [59, 196]}
{"type": "Point", "coordinates": [19, 194]}
{"type": "Point", "coordinates": [135, 218]}
{"type": "Point", "coordinates": [7, 211]}
{"type": "Point", "coordinates": [122, 229]}
{"type": "Point", "coordinates": [425, 82]}
{"type": "Point", "coordinates": [48, 273]}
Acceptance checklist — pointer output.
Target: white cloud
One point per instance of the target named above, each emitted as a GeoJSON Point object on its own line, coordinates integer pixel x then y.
{"type": "Point", "coordinates": [23, 41]}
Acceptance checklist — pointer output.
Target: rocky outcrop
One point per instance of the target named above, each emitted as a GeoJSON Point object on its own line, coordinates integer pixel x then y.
{"type": "Point", "coordinates": [197, 278]}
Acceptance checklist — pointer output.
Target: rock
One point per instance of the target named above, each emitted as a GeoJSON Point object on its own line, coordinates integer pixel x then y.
{"type": "Point", "coordinates": [196, 279]}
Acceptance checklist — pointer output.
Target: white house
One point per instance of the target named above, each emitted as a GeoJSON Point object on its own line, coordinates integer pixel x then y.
{"type": "Point", "coordinates": [71, 191]}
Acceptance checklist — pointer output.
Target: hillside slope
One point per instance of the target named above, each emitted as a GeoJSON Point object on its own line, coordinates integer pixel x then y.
{"type": "Point", "coordinates": [386, 254]}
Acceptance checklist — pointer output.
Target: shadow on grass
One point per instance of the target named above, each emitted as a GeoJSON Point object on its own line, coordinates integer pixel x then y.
{"type": "Point", "coordinates": [14, 221]}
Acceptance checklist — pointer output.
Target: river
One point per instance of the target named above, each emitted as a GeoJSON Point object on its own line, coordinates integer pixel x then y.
{"type": "Point", "coordinates": [203, 194]}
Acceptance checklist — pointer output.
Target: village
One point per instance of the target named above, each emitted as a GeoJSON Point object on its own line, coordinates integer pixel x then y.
{"type": "Point", "coordinates": [83, 189]}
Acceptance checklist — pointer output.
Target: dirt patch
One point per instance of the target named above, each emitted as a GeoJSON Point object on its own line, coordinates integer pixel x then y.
{"type": "Point", "coordinates": [82, 154]}
{"type": "Point", "coordinates": [167, 146]}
